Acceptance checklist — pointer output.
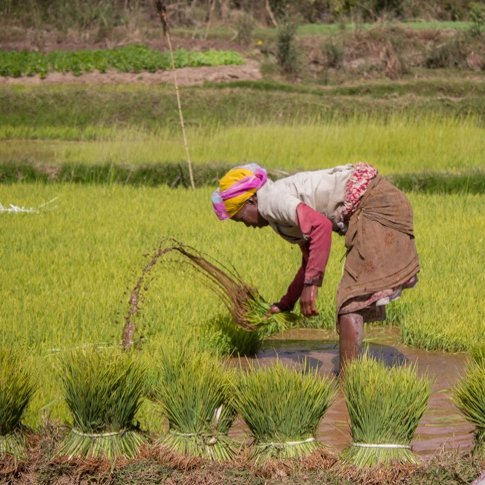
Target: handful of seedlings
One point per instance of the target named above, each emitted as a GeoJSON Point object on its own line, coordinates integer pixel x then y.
{"type": "Point", "coordinates": [282, 407]}
{"type": "Point", "coordinates": [248, 308]}
{"type": "Point", "coordinates": [385, 406]}
{"type": "Point", "coordinates": [16, 390]}
{"type": "Point", "coordinates": [469, 397]}
{"type": "Point", "coordinates": [103, 391]}
{"type": "Point", "coordinates": [193, 393]}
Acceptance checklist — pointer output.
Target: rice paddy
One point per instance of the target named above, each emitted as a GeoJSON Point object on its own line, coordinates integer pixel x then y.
{"type": "Point", "coordinates": [67, 272]}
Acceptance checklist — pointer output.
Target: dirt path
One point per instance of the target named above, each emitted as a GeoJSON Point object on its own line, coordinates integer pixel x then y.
{"type": "Point", "coordinates": [186, 76]}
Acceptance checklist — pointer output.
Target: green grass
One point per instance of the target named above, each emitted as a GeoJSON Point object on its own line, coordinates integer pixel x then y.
{"type": "Point", "coordinates": [67, 272]}
{"type": "Point", "coordinates": [324, 30]}
{"type": "Point", "coordinates": [67, 107]}
{"type": "Point", "coordinates": [398, 145]}
{"type": "Point", "coordinates": [135, 58]}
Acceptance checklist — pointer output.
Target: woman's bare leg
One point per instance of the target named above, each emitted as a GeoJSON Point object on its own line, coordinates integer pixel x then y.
{"type": "Point", "coordinates": [351, 335]}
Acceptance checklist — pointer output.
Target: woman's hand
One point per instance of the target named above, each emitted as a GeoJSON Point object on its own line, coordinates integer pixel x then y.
{"type": "Point", "coordinates": [274, 309]}
{"type": "Point", "coordinates": [308, 300]}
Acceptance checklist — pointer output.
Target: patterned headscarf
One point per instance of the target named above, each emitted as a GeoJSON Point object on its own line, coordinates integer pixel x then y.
{"type": "Point", "coordinates": [236, 187]}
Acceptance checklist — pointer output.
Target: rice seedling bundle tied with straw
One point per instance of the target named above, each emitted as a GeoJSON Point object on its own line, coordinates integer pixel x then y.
{"type": "Point", "coordinates": [385, 406]}
{"type": "Point", "coordinates": [193, 392]}
{"type": "Point", "coordinates": [103, 391]}
{"type": "Point", "coordinates": [469, 396]}
{"type": "Point", "coordinates": [282, 407]}
{"type": "Point", "coordinates": [16, 390]}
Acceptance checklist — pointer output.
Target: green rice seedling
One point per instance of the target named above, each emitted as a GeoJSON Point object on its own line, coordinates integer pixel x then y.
{"type": "Point", "coordinates": [385, 406]}
{"type": "Point", "coordinates": [16, 390]}
{"type": "Point", "coordinates": [282, 407]}
{"type": "Point", "coordinates": [478, 354]}
{"type": "Point", "coordinates": [469, 396]}
{"type": "Point", "coordinates": [230, 339]}
{"type": "Point", "coordinates": [193, 393]}
{"type": "Point", "coordinates": [103, 391]}
{"type": "Point", "coordinates": [248, 308]}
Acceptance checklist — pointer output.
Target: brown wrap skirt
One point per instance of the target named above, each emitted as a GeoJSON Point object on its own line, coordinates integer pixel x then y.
{"type": "Point", "coordinates": [381, 251]}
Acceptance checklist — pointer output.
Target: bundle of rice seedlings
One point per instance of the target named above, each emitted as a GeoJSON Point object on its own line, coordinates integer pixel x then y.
{"type": "Point", "coordinates": [469, 396]}
{"type": "Point", "coordinates": [103, 391]}
{"type": "Point", "coordinates": [16, 390]}
{"type": "Point", "coordinates": [193, 393]}
{"type": "Point", "coordinates": [282, 407]}
{"type": "Point", "coordinates": [248, 308]}
{"type": "Point", "coordinates": [385, 406]}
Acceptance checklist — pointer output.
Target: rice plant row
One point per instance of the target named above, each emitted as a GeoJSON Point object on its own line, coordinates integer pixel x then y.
{"type": "Point", "coordinates": [200, 400]}
{"type": "Point", "coordinates": [135, 58]}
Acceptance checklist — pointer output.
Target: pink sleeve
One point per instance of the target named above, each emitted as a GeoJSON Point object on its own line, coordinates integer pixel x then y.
{"type": "Point", "coordinates": [318, 230]}
{"type": "Point", "coordinates": [296, 286]}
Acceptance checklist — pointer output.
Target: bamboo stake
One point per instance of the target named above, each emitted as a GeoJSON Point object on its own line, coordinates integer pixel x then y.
{"type": "Point", "coordinates": [162, 11]}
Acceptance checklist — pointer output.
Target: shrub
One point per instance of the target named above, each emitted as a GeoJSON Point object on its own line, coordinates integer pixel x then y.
{"type": "Point", "coordinates": [287, 53]}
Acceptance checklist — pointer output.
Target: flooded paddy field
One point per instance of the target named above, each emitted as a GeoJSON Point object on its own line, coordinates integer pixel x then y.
{"type": "Point", "coordinates": [442, 426]}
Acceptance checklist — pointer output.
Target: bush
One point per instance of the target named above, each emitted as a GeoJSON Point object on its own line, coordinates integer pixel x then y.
{"type": "Point", "coordinates": [287, 50]}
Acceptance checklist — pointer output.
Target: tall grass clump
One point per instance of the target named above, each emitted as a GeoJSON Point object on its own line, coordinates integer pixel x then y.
{"type": "Point", "coordinates": [282, 407]}
{"type": "Point", "coordinates": [469, 396]}
{"type": "Point", "coordinates": [16, 390]}
{"type": "Point", "coordinates": [385, 406]}
{"type": "Point", "coordinates": [193, 392]}
{"type": "Point", "coordinates": [103, 391]}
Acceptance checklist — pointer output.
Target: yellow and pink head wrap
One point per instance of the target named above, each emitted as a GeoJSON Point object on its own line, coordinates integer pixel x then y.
{"type": "Point", "coordinates": [236, 187]}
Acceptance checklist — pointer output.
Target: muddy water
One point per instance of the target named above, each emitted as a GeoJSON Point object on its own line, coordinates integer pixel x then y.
{"type": "Point", "coordinates": [441, 425]}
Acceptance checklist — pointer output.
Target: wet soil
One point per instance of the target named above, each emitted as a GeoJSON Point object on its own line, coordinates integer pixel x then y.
{"type": "Point", "coordinates": [442, 426]}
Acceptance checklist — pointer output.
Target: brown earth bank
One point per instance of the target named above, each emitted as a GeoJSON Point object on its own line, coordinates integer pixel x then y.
{"type": "Point", "coordinates": [385, 51]}
{"type": "Point", "coordinates": [186, 76]}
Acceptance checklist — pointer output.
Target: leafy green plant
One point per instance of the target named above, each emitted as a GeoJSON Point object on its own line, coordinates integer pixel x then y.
{"type": "Point", "coordinates": [103, 391]}
{"type": "Point", "coordinates": [385, 406]}
{"type": "Point", "coordinates": [469, 396]}
{"type": "Point", "coordinates": [16, 390]}
{"type": "Point", "coordinates": [282, 407]}
{"type": "Point", "coordinates": [134, 58]}
{"type": "Point", "coordinates": [193, 392]}
{"type": "Point", "coordinates": [477, 17]}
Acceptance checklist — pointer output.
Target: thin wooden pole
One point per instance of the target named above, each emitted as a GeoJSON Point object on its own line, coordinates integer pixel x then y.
{"type": "Point", "coordinates": [162, 11]}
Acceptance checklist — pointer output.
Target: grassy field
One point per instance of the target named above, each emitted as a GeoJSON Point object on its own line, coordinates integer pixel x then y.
{"type": "Point", "coordinates": [66, 272]}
